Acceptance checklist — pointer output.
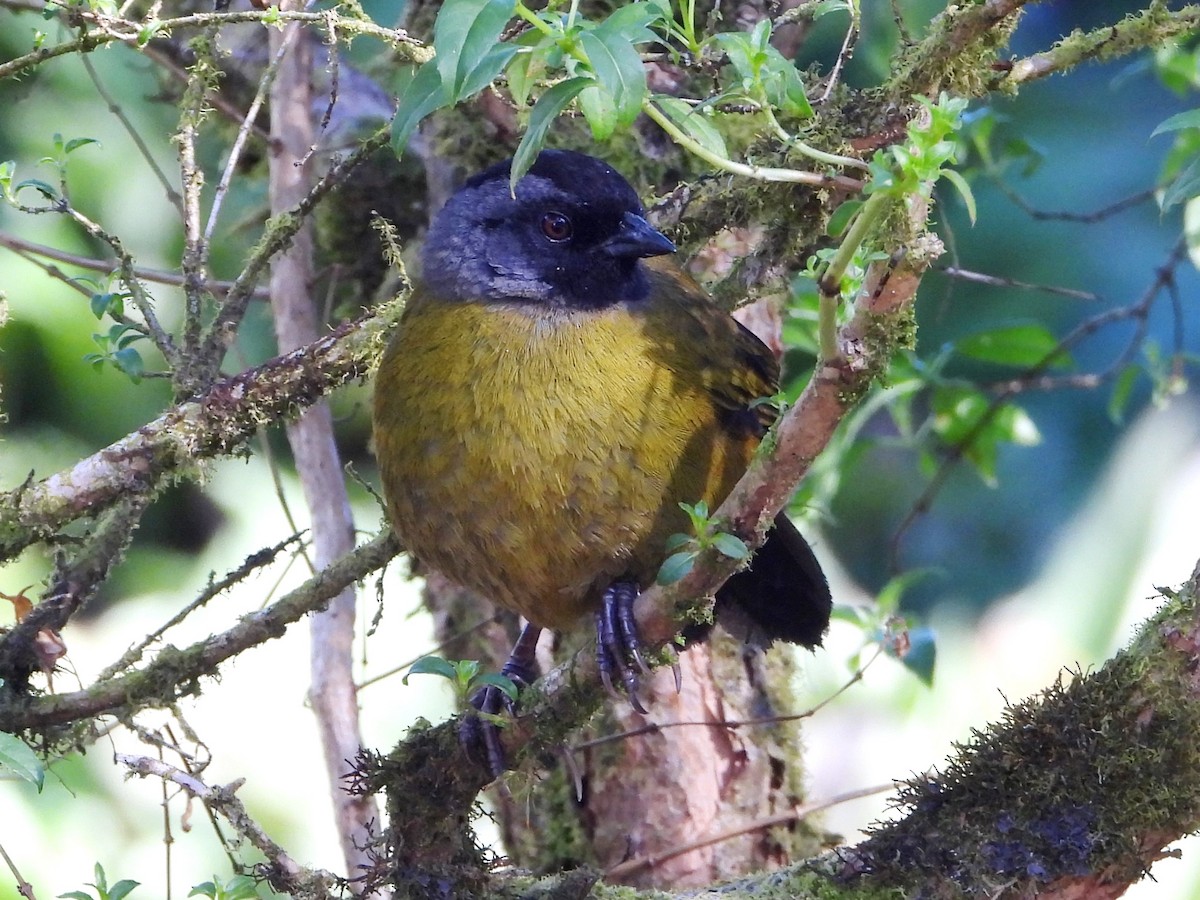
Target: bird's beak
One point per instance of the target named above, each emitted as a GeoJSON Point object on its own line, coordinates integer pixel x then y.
{"type": "Point", "coordinates": [637, 237]}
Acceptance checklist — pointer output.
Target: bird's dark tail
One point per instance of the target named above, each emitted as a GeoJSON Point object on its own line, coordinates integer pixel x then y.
{"type": "Point", "coordinates": [781, 596]}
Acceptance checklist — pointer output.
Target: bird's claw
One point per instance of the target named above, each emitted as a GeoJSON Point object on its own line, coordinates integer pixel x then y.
{"type": "Point", "coordinates": [618, 643]}
{"type": "Point", "coordinates": [480, 730]}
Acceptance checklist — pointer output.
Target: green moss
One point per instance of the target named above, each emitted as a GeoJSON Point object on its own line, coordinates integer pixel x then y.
{"type": "Point", "coordinates": [957, 54]}
{"type": "Point", "coordinates": [1068, 783]}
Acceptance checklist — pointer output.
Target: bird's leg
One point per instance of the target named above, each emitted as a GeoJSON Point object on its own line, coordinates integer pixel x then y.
{"type": "Point", "coordinates": [617, 641]}
{"type": "Point", "coordinates": [479, 734]}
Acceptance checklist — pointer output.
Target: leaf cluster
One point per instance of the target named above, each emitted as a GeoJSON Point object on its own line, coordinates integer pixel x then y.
{"type": "Point", "coordinates": [565, 58]}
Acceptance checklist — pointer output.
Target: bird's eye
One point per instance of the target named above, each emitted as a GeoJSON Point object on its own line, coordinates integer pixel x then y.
{"type": "Point", "coordinates": [556, 227]}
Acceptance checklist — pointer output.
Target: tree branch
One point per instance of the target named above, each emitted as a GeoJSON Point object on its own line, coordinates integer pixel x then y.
{"type": "Point", "coordinates": [1147, 28]}
{"type": "Point", "coordinates": [176, 673]}
{"type": "Point", "coordinates": [332, 693]}
{"type": "Point", "coordinates": [1074, 793]}
{"type": "Point", "coordinates": [217, 423]}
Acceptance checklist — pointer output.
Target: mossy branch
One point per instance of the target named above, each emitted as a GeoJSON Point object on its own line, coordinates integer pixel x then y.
{"type": "Point", "coordinates": [217, 423]}
{"type": "Point", "coordinates": [176, 673]}
{"type": "Point", "coordinates": [1148, 28]}
{"type": "Point", "coordinates": [112, 29]}
{"type": "Point", "coordinates": [1074, 793]}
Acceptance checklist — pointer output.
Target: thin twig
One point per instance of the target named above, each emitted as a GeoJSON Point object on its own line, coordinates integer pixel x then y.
{"type": "Point", "coordinates": [235, 151]}
{"type": "Point", "coordinates": [282, 230]}
{"type": "Point", "coordinates": [137, 292]}
{"type": "Point", "coordinates": [761, 173]}
{"type": "Point", "coordinates": [108, 33]}
{"type": "Point", "coordinates": [1086, 218]}
{"type": "Point", "coordinates": [174, 673]}
{"type": "Point", "coordinates": [847, 51]}
{"type": "Point", "coordinates": [286, 873]}
{"type": "Point", "coordinates": [627, 868]}
{"type": "Point", "coordinates": [257, 560]}
{"type": "Point", "coordinates": [997, 281]}
{"type": "Point", "coordinates": [1139, 312]}
{"type": "Point", "coordinates": [437, 648]}
{"type": "Point", "coordinates": [655, 727]}
{"type": "Point", "coordinates": [92, 264]}
{"type": "Point", "coordinates": [115, 108]}
{"type": "Point", "coordinates": [24, 888]}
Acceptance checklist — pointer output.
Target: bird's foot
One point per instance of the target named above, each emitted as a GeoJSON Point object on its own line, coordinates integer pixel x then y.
{"type": "Point", "coordinates": [618, 646]}
{"type": "Point", "coordinates": [480, 730]}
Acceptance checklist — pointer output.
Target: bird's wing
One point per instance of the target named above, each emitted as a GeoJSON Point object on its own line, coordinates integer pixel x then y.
{"type": "Point", "coordinates": [739, 371]}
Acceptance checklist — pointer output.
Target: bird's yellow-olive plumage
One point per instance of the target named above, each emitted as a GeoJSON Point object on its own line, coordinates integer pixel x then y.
{"type": "Point", "coordinates": [537, 453]}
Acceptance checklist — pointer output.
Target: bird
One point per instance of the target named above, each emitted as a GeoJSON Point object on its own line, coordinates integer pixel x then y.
{"type": "Point", "coordinates": [556, 387]}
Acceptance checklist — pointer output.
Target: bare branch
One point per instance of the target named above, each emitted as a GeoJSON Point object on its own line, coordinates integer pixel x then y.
{"type": "Point", "coordinates": [333, 695]}
{"type": "Point", "coordinates": [157, 276]}
{"type": "Point", "coordinates": [283, 873]}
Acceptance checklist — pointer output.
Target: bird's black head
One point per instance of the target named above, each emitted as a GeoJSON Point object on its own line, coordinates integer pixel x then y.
{"type": "Point", "coordinates": [571, 237]}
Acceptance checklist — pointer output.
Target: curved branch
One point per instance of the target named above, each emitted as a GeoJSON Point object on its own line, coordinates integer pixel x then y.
{"type": "Point", "coordinates": [1074, 793]}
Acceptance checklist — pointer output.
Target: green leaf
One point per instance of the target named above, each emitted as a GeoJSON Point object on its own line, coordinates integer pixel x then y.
{"type": "Point", "coordinates": [489, 67]}
{"type": "Point", "coordinates": [599, 110]}
{"type": "Point", "coordinates": [921, 656]}
{"type": "Point", "coordinates": [825, 7]}
{"type": "Point", "coordinates": [431, 665]}
{"type": "Point", "coordinates": [241, 887]}
{"type": "Point", "coordinates": [1014, 425]}
{"type": "Point", "coordinates": [543, 114]}
{"type": "Point", "coordinates": [76, 895]}
{"type": "Point", "coordinates": [1179, 121]}
{"type": "Point", "coordinates": [121, 889]}
{"type": "Point", "coordinates": [731, 545]}
{"type": "Point", "coordinates": [675, 567]}
{"type": "Point", "coordinates": [523, 72]}
{"type": "Point", "coordinates": [851, 614]}
{"type": "Point", "coordinates": [75, 143]}
{"type": "Point", "coordinates": [887, 601]}
{"type": "Point", "coordinates": [784, 87]}
{"type": "Point", "coordinates": [1023, 346]}
{"type": "Point", "coordinates": [423, 94]}
{"type": "Point", "coordinates": [1184, 186]}
{"type": "Point", "coordinates": [632, 21]}
{"type": "Point", "coordinates": [842, 217]}
{"type": "Point", "coordinates": [619, 68]}
{"type": "Point", "coordinates": [964, 190]}
{"type": "Point", "coordinates": [147, 32]}
{"type": "Point", "coordinates": [204, 889]}
{"type": "Point", "coordinates": [129, 361]}
{"type": "Point", "coordinates": [677, 540]}
{"type": "Point", "coordinates": [465, 34]}
{"type": "Point", "coordinates": [1122, 390]}
{"type": "Point", "coordinates": [41, 187]}
{"type": "Point", "coordinates": [103, 303]}
{"type": "Point", "coordinates": [18, 760]}
{"type": "Point", "coordinates": [694, 124]}
{"type": "Point", "coordinates": [503, 682]}
{"type": "Point", "coordinates": [736, 46]}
